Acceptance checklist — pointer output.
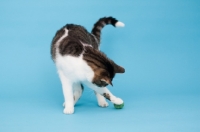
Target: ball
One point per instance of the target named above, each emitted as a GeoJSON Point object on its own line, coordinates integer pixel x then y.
{"type": "Point", "coordinates": [120, 106]}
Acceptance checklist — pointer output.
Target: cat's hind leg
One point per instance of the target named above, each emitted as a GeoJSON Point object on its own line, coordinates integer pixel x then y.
{"type": "Point", "coordinates": [101, 100]}
{"type": "Point", "coordinates": [77, 92]}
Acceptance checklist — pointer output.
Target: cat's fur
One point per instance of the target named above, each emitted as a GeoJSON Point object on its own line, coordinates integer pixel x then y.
{"type": "Point", "coordinates": [76, 54]}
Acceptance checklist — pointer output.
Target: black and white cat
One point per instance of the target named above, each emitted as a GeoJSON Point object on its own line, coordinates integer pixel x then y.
{"type": "Point", "coordinates": [76, 54]}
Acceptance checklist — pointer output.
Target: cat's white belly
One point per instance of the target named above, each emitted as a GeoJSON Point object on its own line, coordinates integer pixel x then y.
{"type": "Point", "coordinates": [74, 68]}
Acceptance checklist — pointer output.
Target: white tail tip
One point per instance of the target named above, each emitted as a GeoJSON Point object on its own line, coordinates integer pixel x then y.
{"type": "Point", "coordinates": [119, 24]}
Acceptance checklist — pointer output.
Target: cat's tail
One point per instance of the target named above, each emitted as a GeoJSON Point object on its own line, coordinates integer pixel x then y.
{"type": "Point", "coordinates": [102, 22]}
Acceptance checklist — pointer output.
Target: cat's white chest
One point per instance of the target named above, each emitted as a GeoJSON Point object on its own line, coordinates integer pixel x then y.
{"type": "Point", "coordinates": [75, 68]}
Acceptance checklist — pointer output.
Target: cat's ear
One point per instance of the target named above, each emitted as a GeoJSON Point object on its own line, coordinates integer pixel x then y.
{"type": "Point", "coordinates": [118, 69]}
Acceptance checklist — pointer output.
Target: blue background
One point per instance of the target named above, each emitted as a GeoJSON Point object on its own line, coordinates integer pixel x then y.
{"type": "Point", "coordinates": [159, 48]}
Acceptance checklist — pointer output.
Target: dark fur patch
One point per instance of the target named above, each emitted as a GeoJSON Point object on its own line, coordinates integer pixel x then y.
{"type": "Point", "coordinates": [81, 34]}
{"type": "Point", "coordinates": [70, 46]}
{"type": "Point", "coordinates": [107, 96]}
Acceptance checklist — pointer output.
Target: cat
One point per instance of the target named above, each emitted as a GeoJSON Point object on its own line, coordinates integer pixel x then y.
{"type": "Point", "coordinates": [79, 61]}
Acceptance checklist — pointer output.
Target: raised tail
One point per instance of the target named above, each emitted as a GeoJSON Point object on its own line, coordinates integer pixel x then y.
{"type": "Point", "coordinates": [102, 22]}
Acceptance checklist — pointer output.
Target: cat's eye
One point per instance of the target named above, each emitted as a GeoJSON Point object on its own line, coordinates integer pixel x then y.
{"type": "Point", "coordinates": [103, 82]}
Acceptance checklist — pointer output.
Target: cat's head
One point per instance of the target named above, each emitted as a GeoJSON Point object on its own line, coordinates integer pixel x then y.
{"type": "Point", "coordinates": [103, 67]}
{"type": "Point", "coordinates": [104, 76]}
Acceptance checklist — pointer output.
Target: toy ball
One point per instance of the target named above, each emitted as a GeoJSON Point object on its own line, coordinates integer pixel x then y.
{"type": "Point", "coordinates": [120, 106]}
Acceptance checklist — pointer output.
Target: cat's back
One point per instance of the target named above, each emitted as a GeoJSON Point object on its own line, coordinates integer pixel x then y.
{"type": "Point", "coordinates": [70, 40]}
{"type": "Point", "coordinates": [78, 32]}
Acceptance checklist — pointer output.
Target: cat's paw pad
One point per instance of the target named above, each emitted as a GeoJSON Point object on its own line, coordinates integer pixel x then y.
{"type": "Point", "coordinates": [68, 110]}
{"type": "Point", "coordinates": [117, 101]}
{"type": "Point", "coordinates": [103, 103]}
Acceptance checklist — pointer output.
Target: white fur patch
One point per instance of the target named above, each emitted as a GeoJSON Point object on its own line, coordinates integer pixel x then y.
{"type": "Point", "coordinates": [101, 100]}
{"type": "Point", "coordinates": [85, 44]}
{"type": "Point", "coordinates": [74, 68]}
{"type": "Point", "coordinates": [119, 24]}
{"type": "Point", "coordinates": [65, 35]}
{"type": "Point", "coordinates": [60, 39]}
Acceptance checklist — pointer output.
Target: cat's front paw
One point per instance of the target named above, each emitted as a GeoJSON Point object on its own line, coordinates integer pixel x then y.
{"type": "Point", "coordinates": [103, 103]}
{"type": "Point", "coordinates": [68, 110]}
{"type": "Point", "coordinates": [117, 101]}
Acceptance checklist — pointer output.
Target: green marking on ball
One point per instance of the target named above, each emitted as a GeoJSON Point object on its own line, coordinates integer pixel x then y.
{"type": "Point", "coordinates": [119, 106]}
